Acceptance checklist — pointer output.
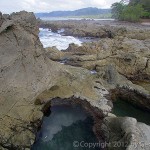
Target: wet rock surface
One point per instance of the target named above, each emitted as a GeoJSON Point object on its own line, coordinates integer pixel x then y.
{"type": "Point", "coordinates": [117, 61]}
{"type": "Point", "coordinates": [98, 29]}
{"type": "Point", "coordinates": [125, 55]}
{"type": "Point", "coordinates": [30, 77]}
{"type": "Point", "coordinates": [26, 72]}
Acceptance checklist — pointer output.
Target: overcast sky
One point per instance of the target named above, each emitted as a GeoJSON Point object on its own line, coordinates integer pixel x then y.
{"type": "Point", "coordinates": [9, 6]}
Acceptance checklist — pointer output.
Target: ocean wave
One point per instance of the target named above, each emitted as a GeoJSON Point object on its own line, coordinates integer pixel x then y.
{"type": "Point", "coordinates": [50, 39]}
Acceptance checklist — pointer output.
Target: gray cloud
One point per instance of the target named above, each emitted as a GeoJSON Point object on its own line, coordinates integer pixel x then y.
{"type": "Point", "coordinates": [7, 6]}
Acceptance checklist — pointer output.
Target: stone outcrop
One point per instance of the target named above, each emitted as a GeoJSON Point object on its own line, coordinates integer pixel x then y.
{"type": "Point", "coordinates": [125, 133]}
{"type": "Point", "coordinates": [113, 58]}
{"type": "Point", "coordinates": [98, 29]}
{"type": "Point", "coordinates": [128, 53]}
{"type": "Point", "coordinates": [25, 71]}
{"type": "Point", "coordinates": [29, 77]}
{"type": "Point", "coordinates": [130, 56]}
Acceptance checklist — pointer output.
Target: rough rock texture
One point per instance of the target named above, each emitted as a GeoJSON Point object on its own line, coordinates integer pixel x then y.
{"type": "Point", "coordinates": [126, 46]}
{"type": "Point", "coordinates": [25, 72]}
{"type": "Point", "coordinates": [98, 29]}
{"type": "Point", "coordinates": [70, 85]}
{"type": "Point", "coordinates": [125, 133]}
{"type": "Point", "coordinates": [130, 56]}
{"type": "Point", "coordinates": [111, 59]}
{"type": "Point", "coordinates": [29, 79]}
{"type": "Point", "coordinates": [116, 61]}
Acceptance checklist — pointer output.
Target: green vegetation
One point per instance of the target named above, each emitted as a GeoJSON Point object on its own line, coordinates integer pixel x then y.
{"type": "Point", "coordinates": [117, 9]}
{"type": "Point", "coordinates": [133, 11]}
{"type": "Point", "coordinates": [145, 4]}
{"type": "Point", "coordinates": [146, 14]}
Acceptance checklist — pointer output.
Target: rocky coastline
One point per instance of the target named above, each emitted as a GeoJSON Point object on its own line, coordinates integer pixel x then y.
{"type": "Point", "coordinates": [32, 78]}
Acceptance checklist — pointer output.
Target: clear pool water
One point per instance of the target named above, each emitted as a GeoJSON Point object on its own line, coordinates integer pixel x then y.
{"type": "Point", "coordinates": [64, 126]}
{"type": "Point", "coordinates": [123, 108]}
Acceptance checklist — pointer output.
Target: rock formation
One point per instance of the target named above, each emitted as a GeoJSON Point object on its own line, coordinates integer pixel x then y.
{"type": "Point", "coordinates": [128, 55]}
{"type": "Point", "coordinates": [26, 72]}
{"type": "Point", "coordinates": [29, 78]}
{"type": "Point", "coordinates": [116, 60]}
{"type": "Point", "coordinates": [125, 133]}
{"type": "Point", "coordinates": [98, 29]}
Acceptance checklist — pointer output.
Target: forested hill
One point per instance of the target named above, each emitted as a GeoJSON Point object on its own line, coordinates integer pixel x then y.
{"type": "Point", "coordinates": [80, 12]}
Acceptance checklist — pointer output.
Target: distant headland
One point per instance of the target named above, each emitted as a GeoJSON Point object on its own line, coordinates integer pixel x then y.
{"type": "Point", "coordinates": [90, 12]}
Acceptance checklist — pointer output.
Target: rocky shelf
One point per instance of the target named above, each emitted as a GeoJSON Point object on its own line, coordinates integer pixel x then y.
{"type": "Point", "coordinates": [31, 79]}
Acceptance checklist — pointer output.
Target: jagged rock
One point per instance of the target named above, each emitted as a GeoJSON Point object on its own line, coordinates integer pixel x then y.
{"type": "Point", "coordinates": [54, 54]}
{"type": "Point", "coordinates": [29, 79]}
{"type": "Point", "coordinates": [69, 85]}
{"type": "Point", "coordinates": [130, 56]}
{"type": "Point", "coordinates": [128, 49]}
{"type": "Point", "coordinates": [1, 18]}
{"type": "Point", "coordinates": [28, 22]}
{"type": "Point", "coordinates": [25, 73]}
{"type": "Point", "coordinates": [5, 25]}
{"type": "Point", "coordinates": [98, 29]}
{"type": "Point", "coordinates": [125, 133]}
{"type": "Point", "coordinates": [112, 58]}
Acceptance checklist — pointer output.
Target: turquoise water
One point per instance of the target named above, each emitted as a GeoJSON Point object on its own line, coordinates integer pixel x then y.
{"type": "Point", "coordinates": [122, 108]}
{"type": "Point", "coordinates": [65, 125]}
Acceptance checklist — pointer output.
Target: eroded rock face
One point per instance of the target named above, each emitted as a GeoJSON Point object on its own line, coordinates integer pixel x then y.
{"type": "Point", "coordinates": [128, 47]}
{"type": "Point", "coordinates": [29, 78]}
{"type": "Point", "coordinates": [125, 133]}
{"type": "Point", "coordinates": [117, 60]}
{"type": "Point", "coordinates": [70, 85]}
{"type": "Point", "coordinates": [25, 72]}
{"type": "Point", "coordinates": [113, 58]}
{"type": "Point", "coordinates": [130, 56]}
{"type": "Point", "coordinates": [98, 29]}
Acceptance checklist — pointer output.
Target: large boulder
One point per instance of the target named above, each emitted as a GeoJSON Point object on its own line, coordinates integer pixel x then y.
{"type": "Point", "coordinates": [29, 79]}
{"type": "Point", "coordinates": [25, 72]}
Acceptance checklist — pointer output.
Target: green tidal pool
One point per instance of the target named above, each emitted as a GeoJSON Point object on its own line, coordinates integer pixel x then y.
{"type": "Point", "coordinates": [66, 128]}
{"type": "Point", "coordinates": [122, 108]}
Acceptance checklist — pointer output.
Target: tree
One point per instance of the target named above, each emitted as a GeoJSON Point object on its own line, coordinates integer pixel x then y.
{"type": "Point", "coordinates": [132, 13]}
{"type": "Point", "coordinates": [145, 4]}
{"type": "Point", "coordinates": [128, 11]}
{"type": "Point", "coordinates": [117, 9]}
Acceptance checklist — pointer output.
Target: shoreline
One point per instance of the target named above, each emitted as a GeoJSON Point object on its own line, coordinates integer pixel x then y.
{"type": "Point", "coordinates": [31, 77]}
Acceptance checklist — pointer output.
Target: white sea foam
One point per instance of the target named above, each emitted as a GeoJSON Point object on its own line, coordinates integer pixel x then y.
{"type": "Point", "coordinates": [50, 39]}
{"type": "Point", "coordinates": [93, 71]}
